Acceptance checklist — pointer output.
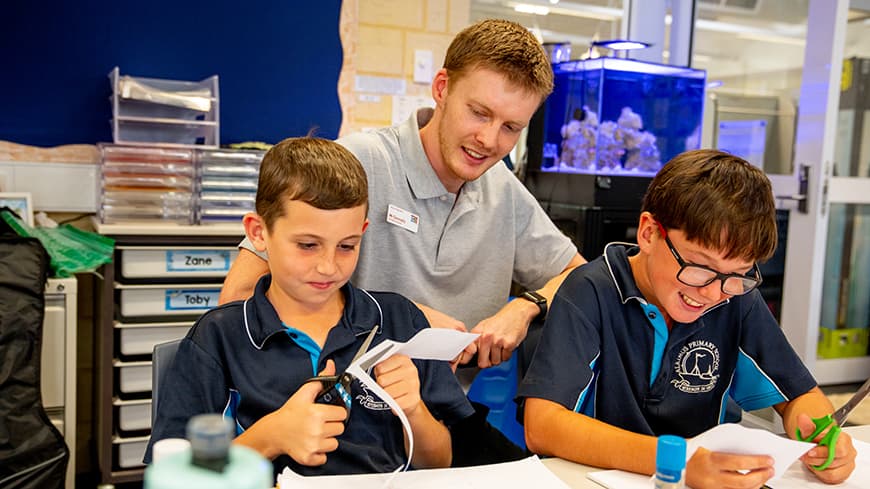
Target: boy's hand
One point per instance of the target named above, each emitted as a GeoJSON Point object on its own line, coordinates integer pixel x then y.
{"type": "Point", "coordinates": [844, 454]}
{"type": "Point", "coordinates": [398, 376]}
{"type": "Point", "coordinates": [305, 430]}
{"type": "Point", "coordinates": [717, 470]}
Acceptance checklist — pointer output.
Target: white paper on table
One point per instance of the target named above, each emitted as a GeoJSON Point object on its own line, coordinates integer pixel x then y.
{"type": "Point", "coordinates": [619, 479]}
{"type": "Point", "coordinates": [529, 472]}
{"type": "Point", "coordinates": [799, 477]}
{"type": "Point", "coordinates": [734, 438]}
{"type": "Point", "coordinates": [730, 438]}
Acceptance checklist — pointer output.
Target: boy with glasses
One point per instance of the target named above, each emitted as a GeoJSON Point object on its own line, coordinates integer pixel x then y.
{"type": "Point", "coordinates": [659, 335]}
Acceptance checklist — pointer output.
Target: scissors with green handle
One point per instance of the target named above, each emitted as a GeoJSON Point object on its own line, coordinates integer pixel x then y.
{"type": "Point", "coordinates": [834, 421]}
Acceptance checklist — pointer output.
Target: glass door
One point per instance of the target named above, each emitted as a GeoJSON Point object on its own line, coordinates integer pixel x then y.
{"type": "Point", "coordinates": [780, 106]}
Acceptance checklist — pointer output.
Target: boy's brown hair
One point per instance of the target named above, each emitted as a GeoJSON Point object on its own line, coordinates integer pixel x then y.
{"type": "Point", "coordinates": [504, 47]}
{"type": "Point", "coordinates": [316, 171]}
{"type": "Point", "coordinates": [719, 201]}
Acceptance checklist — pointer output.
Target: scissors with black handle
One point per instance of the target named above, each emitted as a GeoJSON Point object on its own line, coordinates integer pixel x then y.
{"type": "Point", "coordinates": [834, 421]}
{"type": "Point", "coordinates": [336, 388]}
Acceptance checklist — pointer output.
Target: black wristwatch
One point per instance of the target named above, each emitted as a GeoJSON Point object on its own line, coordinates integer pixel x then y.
{"type": "Point", "coordinates": [538, 300]}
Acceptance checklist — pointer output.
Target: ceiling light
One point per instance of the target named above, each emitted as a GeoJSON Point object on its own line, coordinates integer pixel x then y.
{"type": "Point", "coordinates": [621, 44]}
{"type": "Point", "coordinates": [525, 8]}
{"type": "Point", "coordinates": [573, 10]}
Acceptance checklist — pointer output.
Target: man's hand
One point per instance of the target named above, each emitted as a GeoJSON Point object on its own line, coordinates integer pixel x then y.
{"type": "Point", "coordinates": [844, 454]}
{"type": "Point", "coordinates": [438, 319]}
{"type": "Point", "coordinates": [501, 334]}
{"type": "Point", "coordinates": [717, 470]}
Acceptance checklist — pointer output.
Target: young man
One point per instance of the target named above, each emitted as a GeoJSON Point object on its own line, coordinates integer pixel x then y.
{"type": "Point", "coordinates": [652, 339]}
{"type": "Point", "coordinates": [252, 360]}
{"type": "Point", "coordinates": [451, 226]}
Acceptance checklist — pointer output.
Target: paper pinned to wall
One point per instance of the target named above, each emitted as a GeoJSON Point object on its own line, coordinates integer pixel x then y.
{"type": "Point", "coordinates": [405, 105]}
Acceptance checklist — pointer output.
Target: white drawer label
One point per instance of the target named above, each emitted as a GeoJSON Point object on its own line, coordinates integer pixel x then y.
{"type": "Point", "coordinates": [197, 260]}
{"type": "Point", "coordinates": [191, 300]}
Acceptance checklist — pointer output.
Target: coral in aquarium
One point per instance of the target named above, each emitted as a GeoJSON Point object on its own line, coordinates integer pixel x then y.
{"type": "Point", "coordinates": [641, 152]}
{"type": "Point", "coordinates": [578, 142]}
{"type": "Point", "coordinates": [610, 148]}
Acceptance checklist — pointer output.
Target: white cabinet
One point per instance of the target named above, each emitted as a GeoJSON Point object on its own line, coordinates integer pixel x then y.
{"type": "Point", "coordinates": [58, 366]}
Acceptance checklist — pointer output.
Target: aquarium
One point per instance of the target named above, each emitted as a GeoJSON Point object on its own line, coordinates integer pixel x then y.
{"type": "Point", "coordinates": [617, 117]}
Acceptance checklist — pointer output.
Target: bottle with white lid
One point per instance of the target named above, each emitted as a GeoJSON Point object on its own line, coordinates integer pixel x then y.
{"type": "Point", "coordinates": [670, 462]}
{"type": "Point", "coordinates": [210, 462]}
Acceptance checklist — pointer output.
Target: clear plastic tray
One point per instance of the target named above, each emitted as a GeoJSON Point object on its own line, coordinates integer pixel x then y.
{"type": "Point", "coordinates": [228, 199]}
{"type": "Point", "coordinates": [227, 184]}
{"type": "Point", "coordinates": [238, 157]}
{"type": "Point", "coordinates": [139, 181]}
{"type": "Point", "coordinates": [119, 213]}
{"type": "Point", "coordinates": [166, 131]}
{"type": "Point", "coordinates": [120, 168]}
{"type": "Point", "coordinates": [226, 170]}
{"type": "Point", "coordinates": [148, 197]}
{"type": "Point", "coordinates": [121, 153]}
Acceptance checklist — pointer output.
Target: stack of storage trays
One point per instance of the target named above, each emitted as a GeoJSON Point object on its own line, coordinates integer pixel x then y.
{"type": "Point", "coordinates": [146, 184]}
{"type": "Point", "coordinates": [160, 289]}
{"type": "Point", "coordinates": [154, 111]}
{"type": "Point", "coordinates": [227, 184]}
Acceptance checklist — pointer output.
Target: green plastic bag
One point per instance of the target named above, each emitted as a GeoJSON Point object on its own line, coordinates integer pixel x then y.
{"type": "Point", "coordinates": [71, 249]}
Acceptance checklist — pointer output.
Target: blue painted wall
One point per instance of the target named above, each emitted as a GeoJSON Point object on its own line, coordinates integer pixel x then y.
{"type": "Point", "coordinates": [278, 63]}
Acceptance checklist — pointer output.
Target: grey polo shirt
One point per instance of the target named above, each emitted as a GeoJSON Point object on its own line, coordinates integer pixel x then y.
{"type": "Point", "coordinates": [461, 257]}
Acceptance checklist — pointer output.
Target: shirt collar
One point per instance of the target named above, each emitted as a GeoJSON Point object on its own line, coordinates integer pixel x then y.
{"type": "Point", "coordinates": [423, 180]}
{"type": "Point", "coordinates": [616, 256]}
{"type": "Point", "coordinates": [360, 314]}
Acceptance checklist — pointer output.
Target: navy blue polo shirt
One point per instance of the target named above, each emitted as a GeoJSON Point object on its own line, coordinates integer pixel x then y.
{"type": "Point", "coordinates": [607, 353]}
{"type": "Point", "coordinates": [240, 360]}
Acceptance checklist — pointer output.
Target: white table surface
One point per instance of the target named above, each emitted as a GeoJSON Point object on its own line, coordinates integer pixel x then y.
{"type": "Point", "coordinates": [574, 474]}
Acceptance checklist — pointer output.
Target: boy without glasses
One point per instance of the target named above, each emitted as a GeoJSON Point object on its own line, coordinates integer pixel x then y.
{"type": "Point", "coordinates": [661, 334]}
{"type": "Point", "coordinates": [250, 360]}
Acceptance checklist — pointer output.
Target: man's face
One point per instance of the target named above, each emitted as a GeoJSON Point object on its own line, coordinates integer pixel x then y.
{"type": "Point", "coordinates": [312, 253]}
{"type": "Point", "coordinates": [684, 303]}
{"type": "Point", "coordinates": [482, 117]}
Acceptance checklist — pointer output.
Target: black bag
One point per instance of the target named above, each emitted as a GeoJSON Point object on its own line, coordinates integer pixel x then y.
{"type": "Point", "coordinates": [32, 452]}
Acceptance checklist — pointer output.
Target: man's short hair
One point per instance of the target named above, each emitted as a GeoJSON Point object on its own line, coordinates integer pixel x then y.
{"type": "Point", "coordinates": [316, 171]}
{"type": "Point", "coordinates": [504, 47]}
{"type": "Point", "coordinates": [719, 201]}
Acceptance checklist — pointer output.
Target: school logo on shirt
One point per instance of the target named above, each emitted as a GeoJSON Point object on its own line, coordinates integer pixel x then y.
{"type": "Point", "coordinates": [697, 367]}
{"type": "Point", "coordinates": [368, 401]}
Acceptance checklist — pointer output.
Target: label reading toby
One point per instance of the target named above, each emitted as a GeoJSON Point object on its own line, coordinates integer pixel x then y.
{"type": "Point", "coordinates": [197, 260]}
{"type": "Point", "coordinates": [191, 300]}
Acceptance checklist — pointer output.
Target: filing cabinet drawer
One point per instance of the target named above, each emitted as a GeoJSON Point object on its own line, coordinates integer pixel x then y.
{"type": "Point", "coordinates": [133, 415]}
{"type": "Point", "coordinates": [172, 262]}
{"type": "Point", "coordinates": [130, 451]}
{"type": "Point", "coordinates": [140, 338]}
{"type": "Point", "coordinates": [133, 376]}
{"type": "Point", "coordinates": [166, 300]}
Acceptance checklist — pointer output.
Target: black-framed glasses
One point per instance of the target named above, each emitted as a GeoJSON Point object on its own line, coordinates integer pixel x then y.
{"type": "Point", "coordinates": [695, 275]}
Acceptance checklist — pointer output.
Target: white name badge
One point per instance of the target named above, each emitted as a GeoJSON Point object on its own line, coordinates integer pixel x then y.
{"type": "Point", "coordinates": [402, 218]}
{"type": "Point", "coordinates": [191, 300]}
{"type": "Point", "coordinates": [197, 261]}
